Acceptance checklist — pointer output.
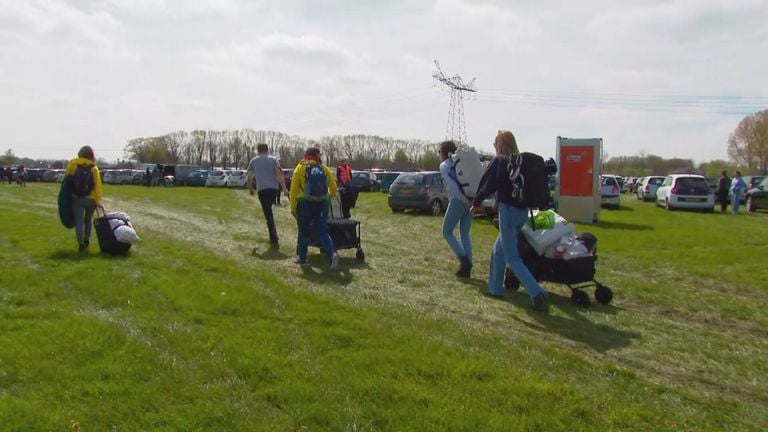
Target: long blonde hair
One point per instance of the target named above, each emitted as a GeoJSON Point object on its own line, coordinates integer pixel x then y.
{"type": "Point", "coordinates": [506, 143]}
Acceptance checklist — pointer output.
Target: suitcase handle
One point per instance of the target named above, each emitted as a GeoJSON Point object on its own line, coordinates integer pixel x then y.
{"type": "Point", "coordinates": [103, 212]}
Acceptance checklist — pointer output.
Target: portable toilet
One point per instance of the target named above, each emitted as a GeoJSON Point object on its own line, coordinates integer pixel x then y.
{"type": "Point", "coordinates": [578, 189]}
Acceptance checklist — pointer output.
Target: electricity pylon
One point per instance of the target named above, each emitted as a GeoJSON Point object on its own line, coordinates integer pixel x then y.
{"type": "Point", "coordinates": [456, 129]}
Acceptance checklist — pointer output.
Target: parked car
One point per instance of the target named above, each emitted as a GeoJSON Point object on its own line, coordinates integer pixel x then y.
{"type": "Point", "coordinates": [610, 191]}
{"type": "Point", "coordinates": [236, 178]}
{"type": "Point", "coordinates": [35, 174]}
{"type": "Point", "coordinates": [386, 178]}
{"type": "Point", "coordinates": [423, 191]}
{"type": "Point", "coordinates": [647, 186]}
{"type": "Point", "coordinates": [197, 178]}
{"type": "Point", "coordinates": [139, 177]}
{"type": "Point", "coordinates": [757, 197]}
{"type": "Point", "coordinates": [217, 178]}
{"type": "Point", "coordinates": [689, 191]}
{"type": "Point", "coordinates": [123, 176]}
{"type": "Point", "coordinates": [365, 181]}
{"type": "Point", "coordinates": [53, 175]}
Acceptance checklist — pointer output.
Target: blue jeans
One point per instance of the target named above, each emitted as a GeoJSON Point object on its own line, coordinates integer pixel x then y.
{"type": "Point", "coordinates": [505, 253]}
{"type": "Point", "coordinates": [313, 216]}
{"type": "Point", "coordinates": [458, 213]}
{"type": "Point", "coordinates": [83, 209]}
{"type": "Point", "coordinates": [736, 201]}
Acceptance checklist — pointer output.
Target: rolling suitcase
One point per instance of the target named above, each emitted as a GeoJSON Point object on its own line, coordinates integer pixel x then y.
{"type": "Point", "coordinates": [106, 234]}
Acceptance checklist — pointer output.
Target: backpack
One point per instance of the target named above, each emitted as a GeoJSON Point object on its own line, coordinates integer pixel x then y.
{"type": "Point", "coordinates": [81, 182]}
{"type": "Point", "coordinates": [467, 170]}
{"type": "Point", "coordinates": [529, 175]}
{"type": "Point", "coordinates": [316, 183]}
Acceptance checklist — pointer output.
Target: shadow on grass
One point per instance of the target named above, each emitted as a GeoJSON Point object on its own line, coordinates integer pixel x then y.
{"type": "Point", "coordinates": [624, 226]}
{"type": "Point", "coordinates": [318, 272]}
{"type": "Point", "coordinates": [575, 326]}
{"type": "Point", "coordinates": [269, 254]}
{"type": "Point", "coordinates": [73, 255]}
{"type": "Point", "coordinates": [578, 328]}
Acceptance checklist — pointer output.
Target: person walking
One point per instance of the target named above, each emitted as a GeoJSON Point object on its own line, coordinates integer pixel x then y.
{"type": "Point", "coordinates": [457, 212]}
{"type": "Point", "coordinates": [505, 251]}
{"type": "Point", "coordinates": [344, 179]}
{"type": "Point", "coordinates": [156, 175]}
{"type": "Point", "coordinates": [312, 184]}
{"type": "Point", "coordinates": [21, 176]}
{"type": "Point", "coordinates": [264, 170]}
{"type": "Point", "coordinates": [722, 190]}
{"type": "Point", "coordinates": [737, 189]}
{"type": "Point", "coordinates": [85, 181]}
{"type": "Point", "coordinates": [148, 178]}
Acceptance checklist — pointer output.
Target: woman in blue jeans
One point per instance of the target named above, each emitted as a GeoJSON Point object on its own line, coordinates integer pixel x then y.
{"type": "Point", "coordinates": [457, 212]}
{"type": "Point", "coordinates": [505, 252]}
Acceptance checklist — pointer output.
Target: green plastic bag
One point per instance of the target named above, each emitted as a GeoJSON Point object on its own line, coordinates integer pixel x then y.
{"type": "Point", "coordinates": [543, 220]}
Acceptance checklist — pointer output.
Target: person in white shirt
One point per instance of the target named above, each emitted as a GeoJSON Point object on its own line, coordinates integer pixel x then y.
{"type": "Point", "coordinates": [457, 212]}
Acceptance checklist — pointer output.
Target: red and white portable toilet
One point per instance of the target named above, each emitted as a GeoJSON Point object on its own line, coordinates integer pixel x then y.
{"type": "Point", "coordinates": [578, 188]}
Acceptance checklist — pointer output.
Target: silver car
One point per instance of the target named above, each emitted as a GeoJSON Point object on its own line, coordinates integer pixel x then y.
{"type": "Point", "coordinates": [647, 186]}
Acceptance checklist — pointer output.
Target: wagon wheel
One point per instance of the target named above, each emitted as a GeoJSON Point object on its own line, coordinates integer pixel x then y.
{"type": "Point", "coordinates": [510, 281]}
{"type": "Point", "coordinates": [580, 298]}
{"type": "Point", "coordinates": [603, 294]}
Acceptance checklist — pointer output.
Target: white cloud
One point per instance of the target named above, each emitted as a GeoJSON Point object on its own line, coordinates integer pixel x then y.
{"type": "Point", "coordinates": [106, 71]}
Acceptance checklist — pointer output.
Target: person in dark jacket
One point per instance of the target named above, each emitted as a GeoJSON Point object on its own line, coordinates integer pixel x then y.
{"type": "Point", "coordinates": [722, 190]}
{"type": "Point", "coordinates": [511, 219]}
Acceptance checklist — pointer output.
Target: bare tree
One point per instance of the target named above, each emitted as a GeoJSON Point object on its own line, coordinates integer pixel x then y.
{"type": "Point", "coordinates": [748, 143]}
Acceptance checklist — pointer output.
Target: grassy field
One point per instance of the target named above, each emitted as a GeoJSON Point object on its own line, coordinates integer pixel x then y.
{"type": "Point", "coordinates": [203, 327]}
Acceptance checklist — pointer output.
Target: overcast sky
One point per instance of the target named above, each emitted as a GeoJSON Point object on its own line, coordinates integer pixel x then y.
{"type": "Point", "coordinates": [664, 77]}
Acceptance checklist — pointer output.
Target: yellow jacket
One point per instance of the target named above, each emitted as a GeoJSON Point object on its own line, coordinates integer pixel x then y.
{"type": "Point", "coordinates": [72, 166]}
{"type": "Point", "coordinates": [300, 177]}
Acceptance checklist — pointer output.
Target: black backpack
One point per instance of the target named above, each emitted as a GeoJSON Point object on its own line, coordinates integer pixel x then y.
{"type": "Point", "coordinates": [529, 175]}
{"type": "Point", "coordinates": [81, 182]}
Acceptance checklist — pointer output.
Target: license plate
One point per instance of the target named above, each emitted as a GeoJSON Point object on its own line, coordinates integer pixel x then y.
{"type": "Point", "coordinates": [692, 199]}
{"type": "Point", "coordinates": [406, 191]}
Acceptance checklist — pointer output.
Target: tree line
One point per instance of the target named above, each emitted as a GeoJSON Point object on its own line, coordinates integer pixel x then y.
{"type": "Point", "coordinates": [234, 148]}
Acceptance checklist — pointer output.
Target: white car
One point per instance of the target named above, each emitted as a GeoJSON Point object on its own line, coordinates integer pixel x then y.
{"type": "Point", "coordinates": [217, 178]}
{"type": "Point", "coordinates": [118, 177]}
{"type": "Point", "coordinates": [688, 191]}
{"type": "Point", "coordinates": [647, 187]}
{"type": "Point", "coordinates": [610, 191]}
{"type": "Point", "coordinates": [236, 178]}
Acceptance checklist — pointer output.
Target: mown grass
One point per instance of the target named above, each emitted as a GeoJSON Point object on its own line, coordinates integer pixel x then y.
{"type": "Point", "coordinates": [203, 327]}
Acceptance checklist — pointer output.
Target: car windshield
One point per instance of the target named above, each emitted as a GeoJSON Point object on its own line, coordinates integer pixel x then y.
{"type": "Point", "coordinates": [608, 181]}
{"type": "Point", "coordinates": [756, 180]}
{"type": "Point", "coordinates": [693, 184]}
{"type": "Point", "coordinates": [409, 179]}
{"type": "Point", "coordinates": [656, 181]}
{"type": "Point", "coordinates": [764, 183]}
{"type": "Point", "coordinates": [196, 173]}
{"type": "Point", "coordinates": [217, 173]}
{"type": "Point", "coordinates": [360, 175]}
{"type": "Point", "coordinates": [388, 176]}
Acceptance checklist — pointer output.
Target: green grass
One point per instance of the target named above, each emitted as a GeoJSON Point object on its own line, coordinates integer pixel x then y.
{"type": "Point", "coordinates": [203, 327]}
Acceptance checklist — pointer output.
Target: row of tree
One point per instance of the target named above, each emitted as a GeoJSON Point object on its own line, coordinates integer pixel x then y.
{"type": "Point", "coordinates": [234, 148]}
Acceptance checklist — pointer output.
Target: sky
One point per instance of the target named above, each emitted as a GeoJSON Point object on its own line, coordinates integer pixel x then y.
{"type": "Point", "coordinates": [671, 78]}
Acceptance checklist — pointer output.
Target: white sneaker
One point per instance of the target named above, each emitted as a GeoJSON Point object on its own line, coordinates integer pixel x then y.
{"type": "Point", "coordinates": [334, 261]}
